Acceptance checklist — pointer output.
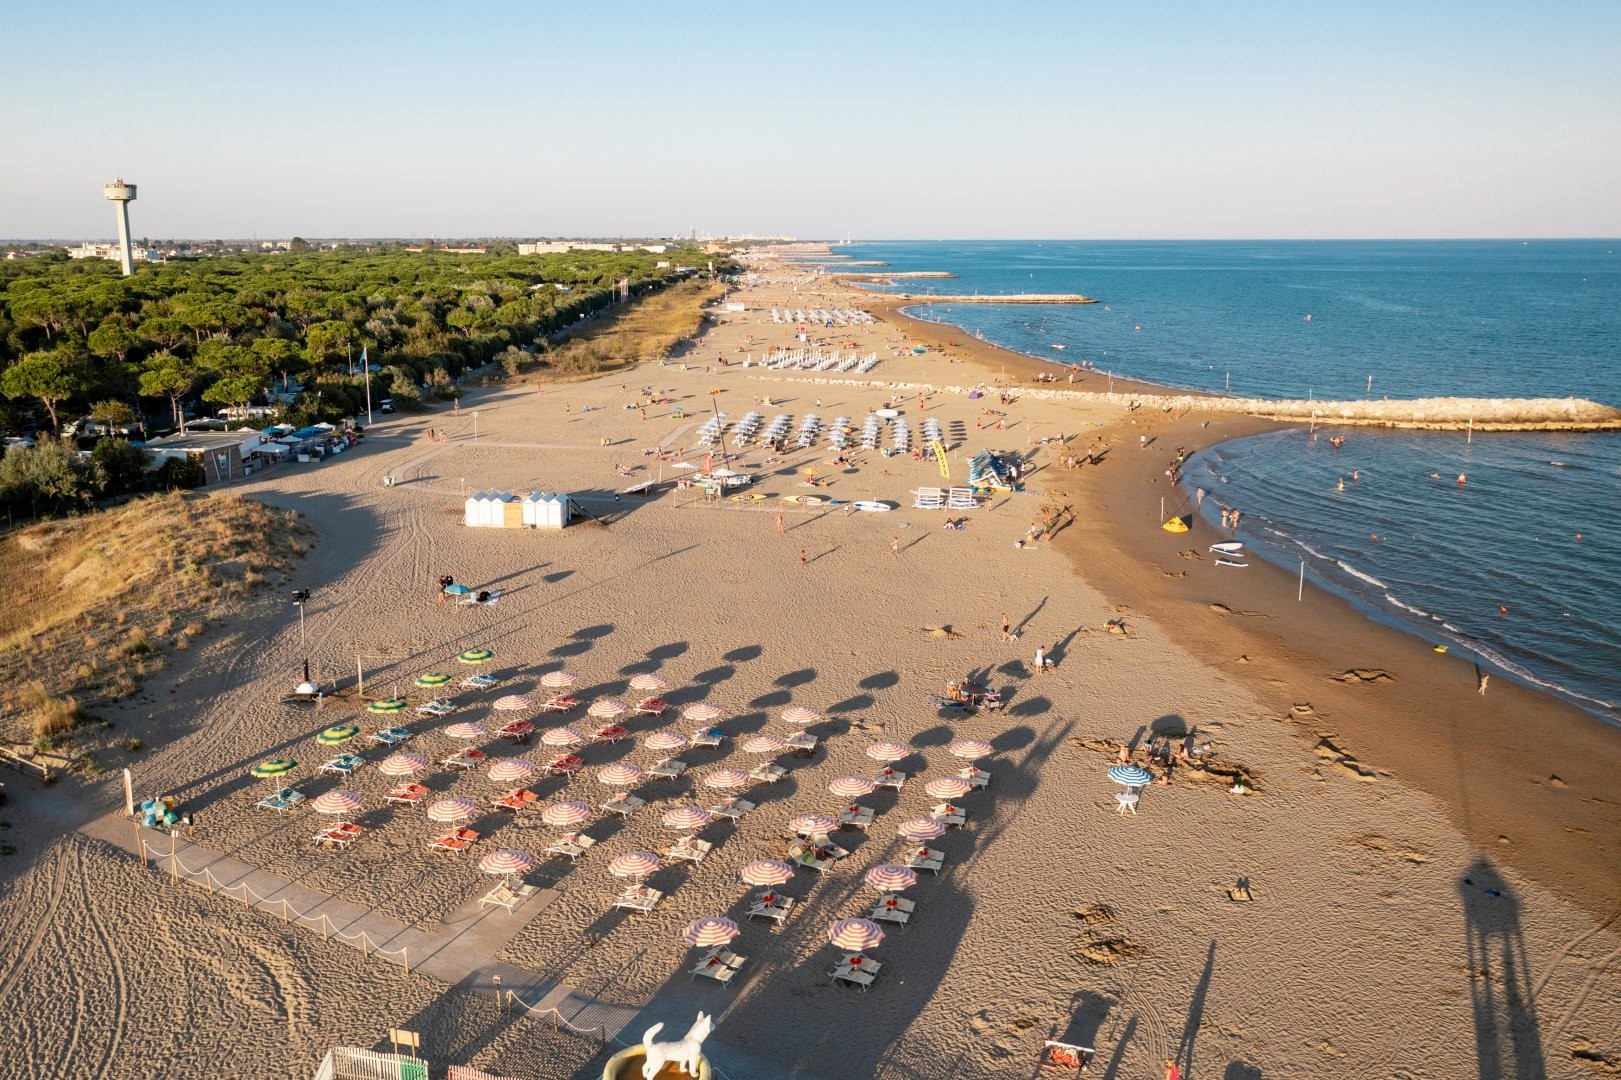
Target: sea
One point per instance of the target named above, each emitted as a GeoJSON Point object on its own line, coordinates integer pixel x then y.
{"type": "Point", "coordinates": [1504, 548]}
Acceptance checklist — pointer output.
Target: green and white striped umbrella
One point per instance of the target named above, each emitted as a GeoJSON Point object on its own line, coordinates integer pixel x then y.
{"type": "Point", "coordinates": [338, 733]}
{"type": "Point", "coordinates": [476, 656]}
{"type": "Point", "coordinates": [276, 766]}
{"type": "Point", "coordinates": [430, 679]}
{"type": "Point", "coordinates": [386, 705]}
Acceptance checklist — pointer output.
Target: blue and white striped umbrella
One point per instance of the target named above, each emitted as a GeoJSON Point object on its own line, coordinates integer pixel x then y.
{"type": "Point", "coordinates": [1131, 775]}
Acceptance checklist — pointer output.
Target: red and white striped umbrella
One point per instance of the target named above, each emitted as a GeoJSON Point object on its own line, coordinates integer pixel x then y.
{"type": "Point", "coordinates": [619, 774]}
{"type": "Point", "coordinates": [511, 769]}
{"type": "Point", "coordinates": [456, 809]}
{"type": "Point", "coordinates": [801, 714]}
{"type": "Point", "coordinates": [467, 729]}
{"type": "Point", "coordinates": [947, 787]}
{"type": "Point", "coordinates": [649, 682]}
{"type": "Point", "coordinates": [766, 872]}
{"type": "Point", "coordinates": [633, 864]}
{"type": "Point", "coordinates": [812, 824]}
{"type": "Point", "coordinates": [665, 740]}
{"type": "Point", "coordinates": [969, 749]}
{"type": "Point", "coordinates": [888, 877]}
{"type": "Point", "coordinates": [559, 680]}
{"type": "Point", "coordinates": [703, 713]}
{"type": "Point", "coordinates": [764, 744]}
{"type": "Point", "coordinates": [852, 787]}
{"type": "Point", "coordinates": [514, 703]}
{"type": "Point", "coordinates": [565, 813]}
{"type": "Point", "coordinates": [921, 828]}
{"type": "Point", "coordinates": [336, 802]}
{"type": "Point", "coordinates": [709, 931]}
{"type": "Point", "coordinates": [725, 778]}
{"type": "Point", "coordinates": [888, 751]}
{"type": "Point", "coordinates": [686, 817]}
{"type": "Point", "coordinates": [506, 863]}
{"type": "Point", "coordinates": [562, 736]}
{"type": "Point", "coordinates": [402, 764]}
{"type": "Point", "coordinates": [607, 708]}
{"type": "Point", "coordinates": [855, 934]}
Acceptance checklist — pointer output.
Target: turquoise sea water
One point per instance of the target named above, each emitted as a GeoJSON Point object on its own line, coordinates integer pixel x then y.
{"type": "Point", "coordinates": [1475, 318]}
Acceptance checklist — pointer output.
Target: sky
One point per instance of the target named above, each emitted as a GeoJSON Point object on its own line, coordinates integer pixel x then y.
{"type": "Point", "coordinates": [878, 120]}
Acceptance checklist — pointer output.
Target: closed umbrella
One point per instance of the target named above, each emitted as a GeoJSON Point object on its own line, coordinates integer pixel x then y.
{"type": "Point", "coordinates": [888, 751]}
{"type": "Point", "coordinates": [337, 733]}
{"type": "Point", "coordinates": [725, 778]}
{"type": "Point", "coordinates": [812, 824]}
{"type": "Point", "coordinates": [619, 774]}
{"type": "Point", "coordinates": [466, 729]}
{"type": "Point", "coordinates": [766, 872]}
{"type": "Point", "coordinates": [402, 764]}
{"type": "Point", "coordinates": [1131, 775]}
{"type": "Point", "coordinates": [852, 787]}
{"type": "Point", "coordinates": [665, 741]}
{"type": "Point", "coordinates": [456, 809]}
{"type": "Point", "coordinates": [947, 787]}
{"type": "Point", "coordinates": [633, 864]}
{"type": "Point", "coordinates": [649, 682]}
{"type": "Point", "coordinates": [475, 656]}
{"type": "Point", "coordinates": [387, 705]}
{"type": "Point", "coordinates": [336, 802]}
{"type": "Point", "coordinates": [686, 817]}
{"type": "Point", "coordinates": [276, 766]}
{"type": "Point", "coordinates": [888, 877]}
{"type": "Point", "coordinates": [709, 931]}
{"type": "Point", "coordinates": [921, 829]}
{"type": "Point", "coordinates": [514, 703]}
{"type": "Point", "coordinates": [510, 770]}
{"type": "Point", "coordinates": [969, 749]}
{"type": "Point", "coordinates": [764, 744]}
{"type": "Point", "coordinates": [430, 679]}
{"type": "Point", "coordinates": [559, 680]}
{"type": "Point", "coordinates": [506, 863]}
{"type": "Point", "coordinates": [855, 934]}
{"type": "Point", "coordinates": [800, 714]}
{"type": "Point", "coordinates": [565, 813]}
{"type": "Point", "coordinates": [703, 713]}
{"type": "Point", "coordinates": [562, 736]}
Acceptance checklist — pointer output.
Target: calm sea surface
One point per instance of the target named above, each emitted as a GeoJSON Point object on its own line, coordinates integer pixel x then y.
{"type": "Point", "coordinates": [1478, 318]}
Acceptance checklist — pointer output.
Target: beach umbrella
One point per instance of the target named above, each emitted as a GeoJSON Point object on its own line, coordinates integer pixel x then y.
{"type": "Point", "coordinates": [855, 934]}
{"type": "Point", "coordinates": [459, 808]}
{"type": "Point", "coordinates": [276, 766]}
{"type": "Point", "coordinates": [703, 713]}
{"type": "Point", "coordinates": [466, 729]}
{"type": "Point", "coordinates": [337, 733]}
{"type": "Point", "coordinates": [559, 680]}
{"type": "Point", "coordinates": [766, 872]}
{"type": "Point", "coordinates": [764, 744]}
{"type": "Point", "coordinates": [514, 703]}
{"type": "Point", "coordinates": [649, 682]}
{"type": "Point", "coordinates": [889, 877]}
{"type": "Point", "coordinates": [430, 679]}
{"type": "Point", "coordinates": [619, 774]}
{"type": "Point", "coordinates": [607, 708]}
{"type": "Point", "coordinates": [709, 931]}
{"type": "Point", "coordinates": [969, 749]}
{"type": "Point", "coordinates": [562, 736]}
{"type": "Point", "coordinates": [475, 656]}
{"type": "Point", "coordinates": [506, 863]}
{"type": "Point", "coordinates": [683, 465]}
{"type": "Point", "coordinates": [947, 787]}
{"type": "Point", "coordinates": [387, 705]}
{"type": "Point", "coordinates": [1131, 775]}
{"type": "Point", "coordinates": [888, 751]}
{"type": "Point", "coordinates": [852, 787]}
{"type": "Point", "coordinates": [686, 817]}
{"type": "Point", "coordinates": [336, 802]}
{"type": "Point", "coordinates": [812, 824]}
{"type": "Point", "coordinates": [402, 764]}
{"type": "Point", "coordinates": [800, 714]}
{"type": "Point", "coordinates": [725, 778]}
{"type": "Point", "coordinates": [665, 740]}
{"type": "Point", "coordinates": [921, 829]}
{"type": "Point", "coordinates": [565, 813]}
{"type": "Point", "coordinates": [457, 590]}
{"type": "Point", "coordinates": [633, 864]}
{"type": "Point", "coordinates": [511, 769]}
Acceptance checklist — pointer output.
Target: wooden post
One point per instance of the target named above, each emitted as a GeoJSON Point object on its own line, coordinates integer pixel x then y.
{"type": "Point", "coordinates": [140, 844]}
{"type": "Point", "coordinates": [129, 794]}
{"type": "Point", "coordinates": [285, 918]}
{"type": "Point", "coordinates": [174, 860]}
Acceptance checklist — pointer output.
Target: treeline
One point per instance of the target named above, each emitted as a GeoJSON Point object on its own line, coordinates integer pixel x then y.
{"type": "Point", "coordinates": [78, 338]}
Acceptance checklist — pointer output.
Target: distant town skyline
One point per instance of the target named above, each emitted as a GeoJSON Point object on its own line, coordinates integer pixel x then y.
{"type": "Point", "coordinates": [1446, 119]}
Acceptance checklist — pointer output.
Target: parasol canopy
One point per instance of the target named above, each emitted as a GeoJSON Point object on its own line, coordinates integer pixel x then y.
{"type": "Point", "coordinates": [336, 802]}
{"type": "Point", "coordinates": [686, 817]}
{"type": "Point", "coordinates": [947, 787]}
{"type": "Point", "coordinates": [709, 931]}
{"type": "Point", "coordinates": [276, 766]}
{"type": "Point", "coordinates": [800, 714]}
{"type": "Point", "coordinates": [403, 763]}
{"type": "Point", "coordinates": [512, 769]}
{"type": "Point", "coordinates": [514, 703]}
{"type": "Point", "coordinates": [562, 736]}
{"type": "Point", "coordinates": [506, 863]}
{"type": "Point", "coordinates": [633, 864]}
{"type": "Point", "coordinates": [888, 877]}
{"type": "Point", "coordinates": [855, 934]}
{"type": "Point", "coordinates": [337, 733]}
{"type": "Point", "coordinates": [665, 741]}
{"type": "Point", "coordinates": [703, 713]}
{"type": "Point", "coordinates": [559, 680]}
{"type": "Point", "coordinates": [565, 813]}
{"type": "Point", "coordinates": [812, 824]}
{"type": "Point", "coordinates": [607, 708]}
{"type": "Point", "coordinates": [456, 809]}
{"type": "Point", "coordinates": [430, 679]}
{"type": "Point", "coordinates": [725, 778]}
{"type": "Point", "coordinates": [1131, 775]}
{"type": "Point", "coordinates": [852, 787]}
{"type": "Point", "coordinates": [649, 682]}
{"type": "Point", "coordinates": [888, 751]}
{"type": "Point", "coordinates": [619, 774]}
{"type": "Point", "coordinates": [921, 829]}
{"type": "Point", "coordinates": [766, 872]}
{"type": "Point", "coordinates": [969, 749]}
{"type": "Point", "coordinates": [386, 705]}
{"type": "Point", "coordinates": [764, 744]}
{"type": "Point", "coordinates": [466, 729]}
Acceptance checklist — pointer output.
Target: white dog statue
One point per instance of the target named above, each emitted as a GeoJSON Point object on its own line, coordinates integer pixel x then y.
{"type": "Point", "coordinates": [683, 1052]}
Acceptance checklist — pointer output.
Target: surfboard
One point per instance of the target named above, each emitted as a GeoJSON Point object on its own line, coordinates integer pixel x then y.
{"type": "Point", "coordinates": [872, 507]}
{"type": "Point", "coordinates": [1231, 562]}
{"type": "Point", "coordinates": [1232, 547]}
{"type": "Point", "coordinates": [803, 500]}
{"type": "Point", "coordinates": [747, 496]}
{"type": "Point", "coordinates": [1175, 525]}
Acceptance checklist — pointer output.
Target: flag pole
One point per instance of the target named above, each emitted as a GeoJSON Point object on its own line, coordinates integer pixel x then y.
{"type": "Point", "coordinates": [365, 373]}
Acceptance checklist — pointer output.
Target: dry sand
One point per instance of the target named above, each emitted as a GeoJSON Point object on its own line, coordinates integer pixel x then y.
{"type": "Point", "coordinates": [1385, 937]}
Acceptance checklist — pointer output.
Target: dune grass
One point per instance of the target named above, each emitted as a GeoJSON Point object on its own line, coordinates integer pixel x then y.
{"type": "Point", "coordinates": [650, 329]}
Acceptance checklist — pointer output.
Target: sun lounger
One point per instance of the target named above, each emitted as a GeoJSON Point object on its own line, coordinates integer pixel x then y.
{"type": "Point", "coordinates": [450, 844]}
{"type": "Point", "coordinates": [393, 736]}
{"type": "Point", "coordinates": [802, 856]}
{"type": "Point", "coordinates": [856, 817]}
{"type": "Point", "coordinates": [516, 799]}
{"type": "Point", "coordinates": [509, 895]}
{"type": "Point", "coordinates": [710, 736]}
{"type": "Point", "coordinates": [653, 706]}
{"type": "Point", "coordinates": [344, 832]}
{"type": "Point", "coordinates": [802, 744]}
{"type": "Point", "coordinates": [890, 778]}
{"type": "Point", "coordinates": [517, 731]}
{"type": "Point", "coordinates": [465, 758]}
{"type": "Point", "coordinates": [285, 799]}
{"type": "Point", "coordinates": [882, 912]}
{"type": "Point", "coordinates": [343, 764]}
{"type": "Point", "coordinates": [846, 973]}
{"type": "Point", "coordinates": [480, 682]}
{"type": "Point", "coordinates": [560, 703]}
{"type": "Point", "coordinates": [719, 964]}
{"type": "Point", "coordinates": [668, 769]}
{"type": "Point", "coordinates": [563, 765]}
{"type": "Point", "coordinates": [640, 898]}
{"type": "Point", "coordinates": [949, 815]}
{"type": "Point", "coordinates": [689, 849]}
{"type": "Point", "coordinates": [926, 859]}
{"type": "Point", "coordinates": [977, 777]}
{"type": "Point", "coordinates": [767, 774]}
{"type": "Point", "coordinates": [407, 795]}
{"type": "Point", "coordinates": [437, 707]}
{"type": "Point", "coordinates": [775, 908]}
{"type": "Point", "coordinates": [571, 846]}
{"type": "Point", "coordinates": [610, 733]}
{"type": "Point", "coordinates": [732, 808]}
{"type": "Point", "coordinates": [624, 805]}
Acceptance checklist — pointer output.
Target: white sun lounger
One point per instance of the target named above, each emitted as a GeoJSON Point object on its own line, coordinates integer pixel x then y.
{"type": "Point", "coordinates": [624, 805]}
{"type": "Point", "coordinates": [732, 808]}
{"type": "Point", "coordinates": [719, 964]}
{"type": "Point", "coordinates": [640, 898]}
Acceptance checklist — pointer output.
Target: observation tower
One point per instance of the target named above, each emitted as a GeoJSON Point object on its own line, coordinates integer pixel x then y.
{"type": "Point", "coordinates": [123, 194]}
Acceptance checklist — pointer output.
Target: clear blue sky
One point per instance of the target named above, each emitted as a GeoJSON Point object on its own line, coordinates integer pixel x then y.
{"type": "Point", "coordinates": [887, 120]}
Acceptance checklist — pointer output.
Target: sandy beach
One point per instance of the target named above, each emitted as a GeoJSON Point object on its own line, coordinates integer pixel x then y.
{"type": "Point", "coordinates": [1403, 889]}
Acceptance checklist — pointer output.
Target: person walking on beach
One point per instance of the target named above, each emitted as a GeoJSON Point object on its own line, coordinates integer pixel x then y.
{"type": "Point", "coordinates": [1172, 1072]}
{"type": "Point", "coordinates": [1225, 514]}
{"type": "Point", "coordinates": [804, 556]}
{"type": "Point", "coordinates": [1007, 628]}
{"type": "Point", "coordinates": [895, 546]}
{"type": "Point", "coordinates": [1235, 519]}
{"type": "Point", "coordinates": [780, 528]}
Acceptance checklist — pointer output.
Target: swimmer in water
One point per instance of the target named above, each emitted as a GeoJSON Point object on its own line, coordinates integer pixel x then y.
{"type": "Point", "coordinates": [1435, 476]}
{"type": "Point", "coordinates": [1356, 474]}
{"type": "Point", "coordinates": [1374, 538]}
{"type": "Point", "coordinates": [1462, 479]}
{"type": "Point", "coordinates": [1501, 611]}
{"type": "Point", "coordinates": [1342, 483]}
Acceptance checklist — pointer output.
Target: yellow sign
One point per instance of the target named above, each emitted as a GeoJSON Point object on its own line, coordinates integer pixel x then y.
{"type": "Point", "coordinates": [940, 456]}
{"type": "Point", "coordinates": [410, 1039]}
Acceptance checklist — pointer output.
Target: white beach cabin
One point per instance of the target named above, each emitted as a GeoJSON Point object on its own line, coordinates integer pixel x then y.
{"type": "Point", "coordinates": [487, 509]}
{"type": "Point", "coordinates": [545, 510]}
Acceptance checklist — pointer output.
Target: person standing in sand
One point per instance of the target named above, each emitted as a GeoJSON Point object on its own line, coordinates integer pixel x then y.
{"type": "Point", "coordinates": [1007, 628]}
{"type": "Point", "coordinates": [895, 546]}
{"type": "Point", "coordinates": [804, 556]}
{"type": "Point", "coordinates": [780, 527]}
{"type": "Point", "coordinates": [1172, 1072]}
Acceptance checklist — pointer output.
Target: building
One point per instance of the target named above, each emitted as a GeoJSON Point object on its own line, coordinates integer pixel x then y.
{"type": "Point", "coordinates": [220, 453]}
{"type": "Point", "coordinates": [553, 247]}
{"type": "Point", "coordinates": [91, 250]}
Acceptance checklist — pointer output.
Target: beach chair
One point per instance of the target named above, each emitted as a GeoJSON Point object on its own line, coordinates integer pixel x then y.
{"type": "Point", "coordinates": [563, 765]}
{"type": "Point", "coordinates": [343, 764]}
{"type": "Point", "coordinates": [895, 909]}
{"type": "Point", "coordinates": [771, 906]}
{"type": "Point", "coordinates": [926, 859]}
{"type": "Point", "coordinates": [638, 898]}
{"type": "Point", "coordinates": [624, 805]}
{"type": "Point", "coordinates": [767, 774]}
{"type": "Point", "coordinates": [344, 832]}
{"type": "Point", "coordinates": [719, 964]}
{"type": "Point", "coordinates": [610, 733]}
{"type": "Point", "coordinates": [890, 778]}
{"type": "Point", "coordinates": [668, 769]}
{"type": "Point", "coordinates": [515, 800]}
{"type": "Point", "coordinates": [466, 758]}
{"type": "Point", "coordinates": [393, 736]}
{"type": "Point", "coordinates": [975, 776]}
{"type": "Point", "coordinates": [508, 894]}
{"type": "Point", "coordinates": [856, 817]}
{"type": "Point", "coordinates": [803, 744]}
{"type": "Point", "coordinates": [454, 845]}
{"type": "Point", "coordinates": [653, 706]}
{"type": "Point", "coordinates": [480, 682]}
{"type": "Point", "coordinates": [560, 703]}
{"type": "Point", "coordinates": [571, 846]}
{"type": "Point", "coordinates": [853, 973]}
{"type": "Point", "coordinates": [732, 808]}
{"type": "Point", "coordinates": [517, 730]}
{"type": "Point", "coordinates": [925, 498]}
{"type": "Point", "coordinates": [1065, 1057]}
{"type": "Point", "coordinates": [710, 736]}
{"type": "Point", "coordinates": [437, 707]}
{"type": "Point", "coordinates": [407, 795]}
{"type": "Point", "coordinates": [801, 855]}
{"type": "Point", "coordinates": [948, 815]}
{"type": "Point", "coordinates": [285, 799]}
{"type": "Point", "coordinates": [1126, 800]}
{"type": "Point", "coordinates": [689, 849]}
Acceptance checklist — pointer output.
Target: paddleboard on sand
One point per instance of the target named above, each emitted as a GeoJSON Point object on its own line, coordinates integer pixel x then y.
{"type": "Point", "coordinates": [1231, 562]}
{"type": "Point", "coordinates": [747, 496]}
{"type": "Point", "coordinates": [1232, 547]}
{"type": "Point", "coordinates": [872, 507]}
{"type": "Point", "coordinates": [803, 500]}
